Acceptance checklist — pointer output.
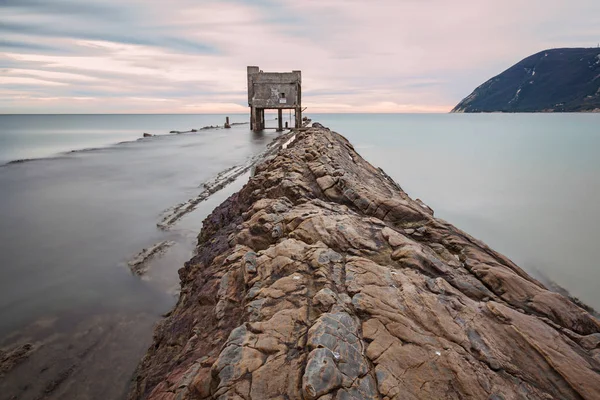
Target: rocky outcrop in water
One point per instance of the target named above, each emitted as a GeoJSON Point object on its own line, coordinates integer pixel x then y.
{"type": "Point", "coordinates": [9, 358]}
{"type": "Point", "coordinates": [322, 279]}
{"type": "Point", "coordinates": [139, 264]}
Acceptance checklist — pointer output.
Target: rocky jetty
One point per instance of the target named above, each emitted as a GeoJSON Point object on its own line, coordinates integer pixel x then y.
{"type": "Point", "coordinates": [322, 279]}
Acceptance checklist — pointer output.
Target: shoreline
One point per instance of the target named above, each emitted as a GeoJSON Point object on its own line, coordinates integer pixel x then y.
{"type": "Point", "coordinates": [322, 263]}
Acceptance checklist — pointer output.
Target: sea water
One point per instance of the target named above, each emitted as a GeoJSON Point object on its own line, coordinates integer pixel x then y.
{"type": "Point", "coordinates": [525, 184]}
{"type": "Point", "coordinates": [70, 222]}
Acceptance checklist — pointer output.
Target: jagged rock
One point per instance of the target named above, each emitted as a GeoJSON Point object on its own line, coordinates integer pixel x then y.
{"type": "Point", "coordinates": [321, 279]}
{"type": "Point", "coordinates": [147, 135]}
{"type": "Point", "coordinates": [11, 357]}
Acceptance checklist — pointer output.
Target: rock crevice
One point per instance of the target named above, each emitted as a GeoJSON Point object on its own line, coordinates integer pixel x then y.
{"type": "Point", "coordinates": [322, 279]}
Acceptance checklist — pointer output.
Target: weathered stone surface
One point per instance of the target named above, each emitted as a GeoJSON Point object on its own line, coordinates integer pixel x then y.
{"type": "Point", "coordinates": [321, 279]}
{"type": "Point", "coordinates": [9, 358]}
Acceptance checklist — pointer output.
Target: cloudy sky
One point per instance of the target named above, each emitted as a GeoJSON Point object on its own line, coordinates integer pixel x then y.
{"type": "Point", "coordinates": [190, 56]}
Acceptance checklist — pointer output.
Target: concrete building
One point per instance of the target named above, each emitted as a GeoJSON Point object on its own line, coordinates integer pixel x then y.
{"type": "Point", "coordinates": [273, 91]}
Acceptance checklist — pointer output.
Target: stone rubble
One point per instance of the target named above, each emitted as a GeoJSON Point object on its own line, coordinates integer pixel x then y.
{"type": "Point", "coordinates": [321, 279]}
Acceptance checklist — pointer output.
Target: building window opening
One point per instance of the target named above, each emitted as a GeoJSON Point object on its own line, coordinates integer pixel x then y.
{"type": "Point", "coordinates": [282, 95]}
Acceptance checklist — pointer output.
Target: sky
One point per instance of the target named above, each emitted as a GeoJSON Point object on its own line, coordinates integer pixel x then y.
{"type": "Point", "coordinates": [190, 56]}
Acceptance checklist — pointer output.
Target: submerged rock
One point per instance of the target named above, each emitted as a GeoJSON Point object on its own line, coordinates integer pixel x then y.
{"type": "Point", "coordinates": [322, 279]}
{"type": "Point", "coordinates": [11, 357]}
{"type": "Point", "coordinates": [139, 263]}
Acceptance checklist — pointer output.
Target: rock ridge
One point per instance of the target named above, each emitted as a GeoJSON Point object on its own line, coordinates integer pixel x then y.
{"type": "Point", "coordinates": [322, 279]}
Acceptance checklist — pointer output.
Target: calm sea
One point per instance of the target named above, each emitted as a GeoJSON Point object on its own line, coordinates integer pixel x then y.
{"type": "Point", "coordinates": [527, 185]}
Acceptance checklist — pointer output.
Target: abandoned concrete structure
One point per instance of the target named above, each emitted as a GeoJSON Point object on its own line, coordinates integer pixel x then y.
{"type": "Point", "coordinates": [273, 90]}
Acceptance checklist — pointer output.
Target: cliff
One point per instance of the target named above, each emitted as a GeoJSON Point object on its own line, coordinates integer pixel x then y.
{"type": "Point", "coordinates": [558, 80]}
{"type": "Point", "coordinates": [322, 279]}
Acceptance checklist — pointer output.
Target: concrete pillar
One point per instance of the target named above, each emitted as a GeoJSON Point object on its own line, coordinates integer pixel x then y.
{"type": "Point", "coordinates": [262, 119]}
{"type": "Point", "coordinates": [279, 119]}
{"type": "Point", "coordinates": [258, 119]}
{"type": "Point", "coordinates": [298, 123]}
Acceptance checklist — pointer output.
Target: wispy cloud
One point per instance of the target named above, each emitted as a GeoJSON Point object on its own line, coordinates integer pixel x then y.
{"type": "Point", "coordinates": [190, 55]}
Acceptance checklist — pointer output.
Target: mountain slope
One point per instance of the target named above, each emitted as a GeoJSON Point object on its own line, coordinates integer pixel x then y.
{"type": "Point", "coordinates": [558, 80]}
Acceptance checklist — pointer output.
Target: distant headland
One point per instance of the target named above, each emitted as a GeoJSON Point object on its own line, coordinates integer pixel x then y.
{"type": "Point", "coordinates": [557, 80]}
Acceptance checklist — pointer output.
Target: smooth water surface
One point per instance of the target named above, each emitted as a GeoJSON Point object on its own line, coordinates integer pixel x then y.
{"type": "Point", "coordinates": [70, 223]}
{"type": "Point", "coordinates": [37, 136]}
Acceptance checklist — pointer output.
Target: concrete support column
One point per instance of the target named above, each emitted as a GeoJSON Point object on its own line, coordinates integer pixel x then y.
{"type": "Point", "coordinates": [262, 119]}
{"type": "Point", "coordinates": [279, 119]}
{"type": "Point", "coordinates": [257, 119]}
{"type": "Point", "coordinates": [298, 117]}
